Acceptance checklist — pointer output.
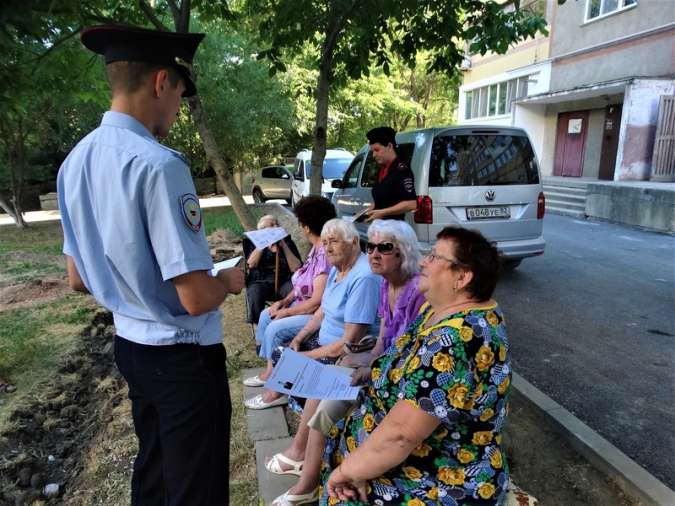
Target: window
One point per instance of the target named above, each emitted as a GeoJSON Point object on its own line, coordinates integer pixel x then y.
{"type": "Point", "coordinates": [351, 177]}
{"type": "Point", "coordinates": [469, 103]}
{"type": "Point", "coordinates": [501, 103]}
{"type": "Point", "coordinates": [479, 160]}
{"type": "Point", "coordinates": [482, 105]}
{"type": "Point", "coordinates": [492, 109]}
{"type": "Point", "coordinates": [496, 99]}
{"type": "Point", "coordinates": [297, 173]}
{"type": "Point", "coordinates": [597, 8]}
{"type": "Point", "coordinates": [333, 168]}
{"type": "Point", "coordinates": [370, 170]}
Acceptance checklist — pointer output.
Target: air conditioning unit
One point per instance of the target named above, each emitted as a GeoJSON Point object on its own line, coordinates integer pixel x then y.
{"type": "Point", "coordinates": [466, 63]}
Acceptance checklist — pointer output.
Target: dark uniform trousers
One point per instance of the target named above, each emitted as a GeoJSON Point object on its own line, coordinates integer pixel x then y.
{"type": "Point", "coordinates": [181, 410]}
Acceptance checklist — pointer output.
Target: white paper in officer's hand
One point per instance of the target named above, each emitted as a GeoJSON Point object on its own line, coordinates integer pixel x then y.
{"type": "Point", "coordinates": [266, 236]}
{"type": "Point", "coordinates": [297, 375]}
{"type": "Point", "coordinates": [225, 264]}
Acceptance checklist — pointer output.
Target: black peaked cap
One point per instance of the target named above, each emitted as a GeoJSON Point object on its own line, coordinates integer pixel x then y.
{"type": "Point", "coordinates": [382, 135]}
{"type": "Point", "coordinates": [129, 43]}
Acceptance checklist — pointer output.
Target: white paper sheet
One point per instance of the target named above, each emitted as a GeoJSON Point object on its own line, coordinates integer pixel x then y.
{"type": "Point", "coordinates": [297, 375]}
{"type": "Point", "coordinates": [225, 264]}
{"type": "Point", "coordinates": [266, 236]}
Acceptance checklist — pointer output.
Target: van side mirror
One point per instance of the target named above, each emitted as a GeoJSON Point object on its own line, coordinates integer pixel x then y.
{"type": "Point", "coordinates": [336, 183]}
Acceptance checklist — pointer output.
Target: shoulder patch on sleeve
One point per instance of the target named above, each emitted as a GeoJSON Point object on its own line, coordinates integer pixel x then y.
{"type": "Point", "coordinates": [408, 184]}
{"type": "Point", "coordinates": [189, 205]}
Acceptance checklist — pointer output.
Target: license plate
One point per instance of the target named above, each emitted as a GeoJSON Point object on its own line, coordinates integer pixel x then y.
{"type": "Point", "coordinates": [486, 213]}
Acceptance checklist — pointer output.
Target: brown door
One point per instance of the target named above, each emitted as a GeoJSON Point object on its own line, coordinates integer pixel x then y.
{"type": "Point", "coordinates": [610, 142]}
{"type": "Point", "coordinates": [570, 143]}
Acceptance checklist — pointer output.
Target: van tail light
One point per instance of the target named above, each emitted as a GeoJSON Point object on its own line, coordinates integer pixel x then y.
{"type": "Point", "coordinates": [425, 210]}
{"type": "Point", "coordinates": [541, 206]}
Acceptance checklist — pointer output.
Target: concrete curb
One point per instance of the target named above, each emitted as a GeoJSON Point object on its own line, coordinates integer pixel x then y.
{"type": "Point", "coordinates": [631, 478]}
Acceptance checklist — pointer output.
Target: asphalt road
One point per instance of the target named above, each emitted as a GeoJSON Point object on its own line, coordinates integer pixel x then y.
{"type": "Point", "coordinates": [592, 324]}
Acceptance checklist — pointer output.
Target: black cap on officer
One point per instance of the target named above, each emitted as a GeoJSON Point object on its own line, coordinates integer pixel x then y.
{"type": "Point", "coordinates": [128, 43]}
{"type": "Point", "coordinates": [382, 135]}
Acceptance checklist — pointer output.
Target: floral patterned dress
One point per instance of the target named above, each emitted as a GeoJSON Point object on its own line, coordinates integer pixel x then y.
{"type": "Point", "coordinates": [458, 371]}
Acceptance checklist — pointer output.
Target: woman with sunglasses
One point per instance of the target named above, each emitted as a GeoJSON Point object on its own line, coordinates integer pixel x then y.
{"type": "Point", "coordinates": [428, 428]}
{"type": "Point", "coordinates": [393, 253]}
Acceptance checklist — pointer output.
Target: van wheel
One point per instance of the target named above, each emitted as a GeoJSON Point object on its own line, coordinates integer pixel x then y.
{"type": "Point", "coordinates": [258, 196]}
{"type": "Point", "coordinates": [511, 265]}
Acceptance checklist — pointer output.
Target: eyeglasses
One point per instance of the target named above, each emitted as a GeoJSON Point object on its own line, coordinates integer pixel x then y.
{"type": "Point", "coordinates": [432, 255]}
{"type": "Point", "coordinates": [386, 248]}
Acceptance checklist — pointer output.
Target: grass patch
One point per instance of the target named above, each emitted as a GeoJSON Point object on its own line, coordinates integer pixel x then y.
{"type": "Point", "coordinates": [32, 338]}
{"type": "Point", "coordinates": [31, 253]}
{"type": "Point", "coordinates": [225, 217]}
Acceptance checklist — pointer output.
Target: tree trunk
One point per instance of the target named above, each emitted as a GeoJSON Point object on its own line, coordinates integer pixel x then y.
{"type": "Point", "coordinates": [216, 160]}
{"type": "Point", "coordinates": [321, 127]}
{"type": "Point", "coordinates": [18, 218]}
{"type": "Point", "coordinates": [181, 17]}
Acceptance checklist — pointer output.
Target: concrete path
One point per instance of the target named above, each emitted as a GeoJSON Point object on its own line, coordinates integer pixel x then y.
{"type": "Point", "coordinates": [268, 429]}
{"type": "Point", "coordinates": [37, 216]}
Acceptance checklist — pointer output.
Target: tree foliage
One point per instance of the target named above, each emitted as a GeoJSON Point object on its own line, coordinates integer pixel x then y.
{"type": "Point", "coordinates": [348, 36]}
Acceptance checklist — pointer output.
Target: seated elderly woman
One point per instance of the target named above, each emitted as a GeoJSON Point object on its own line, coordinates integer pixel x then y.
{"type": "Point", "coordinates": [279, 323]}
{"type": "Point", "coordinates": [262, 270]}
{"type": "Point", "coordinates": [393, 253]}
{"type": "Point", "coordinates": [348, 307]}
{"type": "Point", "coordinates": [428, 428]}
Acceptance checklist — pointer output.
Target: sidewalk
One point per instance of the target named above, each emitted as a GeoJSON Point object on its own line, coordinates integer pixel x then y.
{"type": "Point", "coordinates": [581, 468]}
{"type": "Point", "coordinates": [38, 216]}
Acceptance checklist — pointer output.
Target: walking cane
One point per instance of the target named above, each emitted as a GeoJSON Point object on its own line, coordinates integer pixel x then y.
{"type": "Point", "coordinates": [276, 274]}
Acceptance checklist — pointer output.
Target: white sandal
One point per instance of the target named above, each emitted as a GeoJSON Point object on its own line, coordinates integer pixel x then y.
{"type": "Point", "coordinates": [257, 402]}
{"type": "Point", "coordinates": [288, 499]}
{"type": "Point", "coordinates": [254, 381]}
{"type": "Point", "coordinates": [273, 465]}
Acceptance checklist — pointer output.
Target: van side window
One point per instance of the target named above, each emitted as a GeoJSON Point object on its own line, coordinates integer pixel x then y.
{"type": "Point", "coordinates": [405, 152]}
{"type": "Point", "coordinates": [482, 160]}
{"type": "Point", "coordinates": [351, 176]}
{"type": "Point", "coordinates": [297, 174]}
{"type": "Point", "coordinates": [370, 170]}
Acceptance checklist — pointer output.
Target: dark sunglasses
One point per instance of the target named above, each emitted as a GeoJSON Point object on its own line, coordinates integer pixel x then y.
{"type": "Point", "coordinates": [386, 248]}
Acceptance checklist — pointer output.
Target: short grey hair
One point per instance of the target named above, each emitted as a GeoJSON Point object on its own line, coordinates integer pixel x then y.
{"type": "Point", "coordinates": [343, 228]}
{"type": "Point", "coordinates": [265, 219]}
{"type": "Point", "coordinates": [404, 237]}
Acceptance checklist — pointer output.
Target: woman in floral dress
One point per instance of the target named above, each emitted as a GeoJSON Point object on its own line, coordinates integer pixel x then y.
{"type": "Point", "coordinates": [428, 427]}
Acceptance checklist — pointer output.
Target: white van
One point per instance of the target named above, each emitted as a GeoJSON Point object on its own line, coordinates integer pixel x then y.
{"type": "Point", "coordinates": [334, 166]}
{"type": "Point", "coordinates": [484, 178]}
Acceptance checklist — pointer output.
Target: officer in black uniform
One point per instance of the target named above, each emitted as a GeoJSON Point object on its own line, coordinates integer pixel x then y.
{"type": "Point", "coordinates": [394, 191]}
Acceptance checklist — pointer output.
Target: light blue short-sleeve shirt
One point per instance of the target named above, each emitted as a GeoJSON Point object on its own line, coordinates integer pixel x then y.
{"type": "Point", "coordinates": [131, 222]}
{"type": "Point", "coordinates": [353, 299]}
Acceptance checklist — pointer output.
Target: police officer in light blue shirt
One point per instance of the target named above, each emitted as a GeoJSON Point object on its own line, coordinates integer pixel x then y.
{"type": "Point", "coordinates": [134, 239]}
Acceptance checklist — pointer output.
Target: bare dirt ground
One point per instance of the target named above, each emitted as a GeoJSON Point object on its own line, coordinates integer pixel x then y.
{"type": "Point", "coordinates": [33, 292]}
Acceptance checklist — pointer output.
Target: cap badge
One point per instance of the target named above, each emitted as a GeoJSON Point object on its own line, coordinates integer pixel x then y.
{"type": "Point", "coordinates": [183, 63]}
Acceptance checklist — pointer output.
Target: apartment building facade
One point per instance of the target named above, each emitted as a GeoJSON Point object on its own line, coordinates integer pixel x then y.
{"type": "Point", "coordinates": [588, 94]}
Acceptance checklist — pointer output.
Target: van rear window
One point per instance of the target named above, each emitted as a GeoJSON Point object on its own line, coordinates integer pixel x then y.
{"type": "Point", "coordinates": [482, 160]}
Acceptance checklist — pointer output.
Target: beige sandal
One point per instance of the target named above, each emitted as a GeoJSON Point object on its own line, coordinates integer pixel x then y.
{"type": "Point", "coordinates": [288, 499]}
{"type": "Point", "coordinates": [274, 465]}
